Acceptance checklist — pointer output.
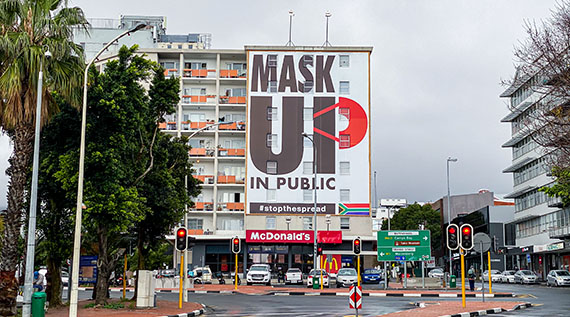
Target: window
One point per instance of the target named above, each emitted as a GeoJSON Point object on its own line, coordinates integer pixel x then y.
{"type": "Point", "coordinates": [194, 223]}
{"type": "Point", "coordinates": [272, 61]}
{"type": "Point", "coordinates": [272, 113]}
{"type": "Point", "coordinates": [376, 224]}
{"type": "Point", "coordinates": [307, 167]}
{"type": "Point", "coordinates": [270, 195]}
{"type": "Point", "coordinates": [306, 142]}
{"type": "Point", "coordinates": [307, 223]}
{"type": "Point", "coordinates": [232, 224]}
{"type": "Point", "coordinates": [344, 114]}
{"type": "Point", "coordinates": [344, 141]}
{"type": "Point", "coordinates": [271, 167]}
{"type": "Point", "coordinates": [169, 65]}
{"type": "Point", "coordinates": [344, 88]}
{"type": "Point", "coordinates": [269, 223]}
{"type": "Point", "coordinates": [344, 61]}
{"type": "Point", "coordinates": [272, 86]}
{"type": "Point", "coordinates": [307, 195]}
{"type": "Point", "coordinates": [344, 168]}
{"type": "Point", "coordinates": [344, 223]}
{"type": "Point", "coordinates": [344, 195]}
{"type": "Point", "coordinates": [271, 140]}
{"type": "Point", "coordinates": [307, 114]}
{"type": "Point", "coordinates": [180, 46]}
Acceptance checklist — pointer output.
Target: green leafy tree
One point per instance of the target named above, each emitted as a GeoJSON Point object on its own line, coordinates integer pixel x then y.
{"type": "Point", "coordinates": [413, 217]}
{"type": "Point", "coordinates": [28, 28]}
{"type": "Point", "coordinates": [561, 188]}
{"type": "Point", "coordinates": [134, 175]}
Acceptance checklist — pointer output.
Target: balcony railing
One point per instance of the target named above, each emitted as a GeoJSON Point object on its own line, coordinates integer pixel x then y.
{"type": "Point", "coordinates": [236, 126]}
{"type": "Point", "coordinates": [206, 179]}
{"type": "Point", "coordinates": [231, 206]}
{"type": "Point", "coordinates": [206, 206]}
{"type": "Point", "coordinates": [200, 151]}
{"type": "Point", "coordinates": [199, 73]}
{"type": "Point", "coordinates": [233, 100]}
{"type": "Point", "coordinates": [171, 125]}
{"type": "Point", "coordinates": [230, 179]}
{"type": "Point", "coordinates": [231, 73]}
{"type": "Point", "coordinates": [187, 99]}
{"type": "Point", "coordinates": [195, 125]}
{"type": "Point", "coordinates": [171, 72]}
{"type": "Point", "coordinates": [231, 152]}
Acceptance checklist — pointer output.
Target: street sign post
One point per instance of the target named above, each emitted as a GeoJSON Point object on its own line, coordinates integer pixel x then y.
{"type": "Point", "coordinates": [355, 298]}
{"type": "Point", "coordinates": [404, 245]}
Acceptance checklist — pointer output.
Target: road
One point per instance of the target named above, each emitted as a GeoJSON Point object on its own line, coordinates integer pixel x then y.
{"type": "Point", "coordinates": [551, 301]}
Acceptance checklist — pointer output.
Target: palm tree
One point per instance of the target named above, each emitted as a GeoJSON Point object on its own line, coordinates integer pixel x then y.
{"type": "Point", "coordinates": [29, 28]}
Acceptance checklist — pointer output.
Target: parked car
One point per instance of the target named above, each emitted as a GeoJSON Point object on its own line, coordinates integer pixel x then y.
{"type": "Point", "coordinates": [202, 275]}
{"type": "Point", "coordinates": [64, 278]}
{"type": "Point", "coordinates": [371, 276]}
{"type": "Point", "coordinates": [508, 276]}
{"type": "Point", "coordinates": [346, 277]}
{"type": "Point", "coordinates": [259, 274]}
{"type": "Point", "coordinates": [166, 273]}
{"type": "Point", "coordinates": [293, 275]}
{"type": "Point", "coordinates": [525, 277]}
{"type": "Point", "coordinates": [437, 273]}
{"type": "Point", "coordinates": [495, 276]}
{"type": "Point", "coordinates": [318, 273]}
{"type": "Point", "coordinates": [558, 278]}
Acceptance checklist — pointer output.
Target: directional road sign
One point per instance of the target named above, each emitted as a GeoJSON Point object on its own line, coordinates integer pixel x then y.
{"type": "Point", "coordinates": [355, 297]}
{"type": "Point", "coordinates": [404, 245]}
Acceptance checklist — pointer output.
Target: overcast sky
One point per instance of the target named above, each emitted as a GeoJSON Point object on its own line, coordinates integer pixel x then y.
{"type": "Point", "coordinates": [436, 72]}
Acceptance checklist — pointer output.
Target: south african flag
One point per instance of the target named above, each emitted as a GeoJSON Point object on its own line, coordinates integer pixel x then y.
{"type": "Point", "coordinates": [354, 209]}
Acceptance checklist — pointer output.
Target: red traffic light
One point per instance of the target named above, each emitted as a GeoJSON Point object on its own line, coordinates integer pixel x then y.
{"type": "Point", "coordinates": [236, 241]}
{"type": "Point", "coordinates": [181, 232]}
{"type": "Point", "coordinates": [452, 230]}
{"type": "Point", "coordinates": [466, 230]}
{"type": "Point", "coordinates": [356, 242]}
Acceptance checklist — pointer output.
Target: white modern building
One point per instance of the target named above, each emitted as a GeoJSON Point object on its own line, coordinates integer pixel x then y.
{"type": "Point", "coordinates": [386, 209]}
{"type": "Point", "coordinates": [540, 245]}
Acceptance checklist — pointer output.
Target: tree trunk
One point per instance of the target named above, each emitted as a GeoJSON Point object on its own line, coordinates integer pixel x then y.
{"type": "Point", "coordinates": [103, 267]}
{"type": "Point", "coordinates": [53, 290]}
{"type": "Point", "coordinates": [22, 138]}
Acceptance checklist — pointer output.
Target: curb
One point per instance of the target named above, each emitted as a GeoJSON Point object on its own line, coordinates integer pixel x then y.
{"type": "Point", "coordinates": [197, 312]}
{"type": "Point", "coordinates": [488, 311]}
{"type": "Point", "coordinates": [444, 295]}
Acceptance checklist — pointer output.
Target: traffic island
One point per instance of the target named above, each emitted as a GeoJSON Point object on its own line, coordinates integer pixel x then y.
{"type": "Point", "coordinates": [127, 308]}
{"type": "Point", "coordinates": [455, 309]}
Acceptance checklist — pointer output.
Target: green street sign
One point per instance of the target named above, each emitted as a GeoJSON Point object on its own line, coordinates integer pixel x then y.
{"type": "Point", "coordinates": [404, 245]}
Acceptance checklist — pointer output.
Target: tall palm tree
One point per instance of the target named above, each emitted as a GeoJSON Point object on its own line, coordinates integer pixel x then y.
{"type": "Point", "coordinates": [29, 28]}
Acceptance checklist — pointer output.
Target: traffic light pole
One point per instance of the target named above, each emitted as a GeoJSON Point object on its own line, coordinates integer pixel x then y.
{"type": "Point", "coordinates": [321, 269]}
{"type": "Point", "coordinates": [181, 279]}
{"type": "Point", "coordinates": [358, 274]}
{"type": "Point", "coordinates": [236, 276]}
{"type": "Point", "coordinates": [462, 278]}
{"type": "Point", "coordinates": [489, 270]}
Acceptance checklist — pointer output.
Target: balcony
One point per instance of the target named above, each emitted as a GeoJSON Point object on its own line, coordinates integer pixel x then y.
{"type": "Point", "coordinates": [171, 72]}
{"type": "Point", "coordinates": [206, 179]}
{"type": "Point", "coordinates": [199, 73]}
{"type": "Point", "coordinates": [234, 126]}
{"type": "Point", "coordinates": [230, 179]}
{"type": "Point", "coordinates": [231, 152]}
{"type": "Point", "coordinates": [202, 152]}
{"type": "Point", "coordinates": [195, 125]}
{"type": "Point", "coordinates": [171, 125]}
{"type": "Point", "coordinates": [205, 206]}
{"type": "Point", "coordinates": [207, 99]}
{"type": "Point", "coordinates": [239, 100]}
{"type": "Point", "coordinates": [231, 73]}
{"type": "Point", "coordinates": [231, 206]}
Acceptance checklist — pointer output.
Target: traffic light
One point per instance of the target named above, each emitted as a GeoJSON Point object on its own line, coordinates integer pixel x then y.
{"type": "Point", "coordinates": [452, 237]}
{"type": "Point", "coordinates": [181, 239]}
{"type": "Point", "coordinates": [356, 245]}
{"type": "Point", "coordinates": [466, 237]}
{"type": "Point", "coordinates": [236, 245]}
{"type": "Point", "coordinates": [319, 250]}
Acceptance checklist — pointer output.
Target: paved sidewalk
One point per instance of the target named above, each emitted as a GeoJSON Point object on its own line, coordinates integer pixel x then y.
{"type": "Point", "coordinates": [164, 308]}
{"type": "Point", "coordinates": [451, 308]}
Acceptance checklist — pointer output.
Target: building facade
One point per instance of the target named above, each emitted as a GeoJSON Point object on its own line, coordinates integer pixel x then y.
{"type": "Point", "coordinates": [541, 223]}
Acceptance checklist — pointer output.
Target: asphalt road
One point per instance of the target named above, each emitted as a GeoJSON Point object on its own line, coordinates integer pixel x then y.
{"type": "Point", "coordinates": [551, 302]}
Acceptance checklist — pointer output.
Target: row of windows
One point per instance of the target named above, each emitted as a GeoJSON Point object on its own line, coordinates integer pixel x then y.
{"type": "Point", "coordinates": [530, 171]}
{"type": "Point", "coordinates": [525, 91]}
{"type": "Point", "coordinates": [522, 121]}
{"type": "Point", "coordinates": [308, 195]}
{"type": "Point", "coordinates": [524, 146]}
{"type": "Point", "coordinates": [307, 223]}
{"type": "Point", "coordinates": [528, 200]}
{"type": "Point", "coordinates": [543, 223]}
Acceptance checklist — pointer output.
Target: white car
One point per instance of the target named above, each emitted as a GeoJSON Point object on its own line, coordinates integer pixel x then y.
{"type": "Point", "coordinates": [508, 276]}
{"type": "Point", "coordinates": [202, 275]}
{"type": "Point", "coordinates": [64, 278]}
{"type": "Point", "coordinates": [525, 277]}
{"type": "Point", "coordinates": [318, 274]}
{"type": "Point", "coordinates": [346, 277]}
{"type": "Point", "coordinates": [438, 273]}
{"type": "Point", "coordinates": [558, 278]}
{"type": "Point", "coordinates": [294, 276]}
{"type": "Point", "coordinates": [259, 274]}
{"type": "Point", "coordinates": [495, 276]}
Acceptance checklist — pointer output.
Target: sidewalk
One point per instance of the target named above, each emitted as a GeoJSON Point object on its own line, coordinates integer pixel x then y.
{"type": "Point", "coordinates": [164, 308]}
{"type": "Point", "coordinates": [454, 308]}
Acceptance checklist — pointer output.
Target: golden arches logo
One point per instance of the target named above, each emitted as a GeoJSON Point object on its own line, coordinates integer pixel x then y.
{"type": "Point", "coordinates": [331, 264]}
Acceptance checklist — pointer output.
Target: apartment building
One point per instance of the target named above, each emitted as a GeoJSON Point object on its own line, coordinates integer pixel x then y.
{"type": "Point", "coordinates": [541, 223]}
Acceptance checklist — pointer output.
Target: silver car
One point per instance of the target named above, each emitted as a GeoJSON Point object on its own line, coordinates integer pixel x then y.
{"type": "Point", "coordinates": [438, 273]}
{"type": "Point", "coordinates": [508, 276]}
{"type": "Point", "coordinates": [495, 276]}
{"type": "Point", "coordinates": [525, 277]}
{"type": "Point", "coordinates": [558, 278]}
{"type": "Point", "coordinates": [346, 277]}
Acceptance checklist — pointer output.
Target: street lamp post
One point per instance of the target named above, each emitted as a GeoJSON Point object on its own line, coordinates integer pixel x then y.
{"type": "Point", "coordinates": [305, 135]}
{"type": "Point", "coordinates": [78, 213]}
{"type": "Point", "coordinates": [328, 221]}
{"type": "Point", "coordinates": [449, 159]}
{"type": "Point", "coordinates": [31, 247]}
{"type": "Point", "coordinates": [288, 221]}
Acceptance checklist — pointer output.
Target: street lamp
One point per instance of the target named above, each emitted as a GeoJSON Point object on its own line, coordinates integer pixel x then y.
{"type": "Point", "coordinates": [31, 247]}
{"type": "Point", "coordinates": [288, 221]}
{"type": "Point", "coordinates": [78, 213]}
{"type": "Point", "coordinates": [449, 159]}
{"type": "Point", "coordinates": [305, 135]}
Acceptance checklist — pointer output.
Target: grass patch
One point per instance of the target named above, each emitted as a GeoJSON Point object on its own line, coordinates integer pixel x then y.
{"type": "Point", "coordinates": [90, 305]}
{"type": "Point", "coordinates": [114, 306]}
